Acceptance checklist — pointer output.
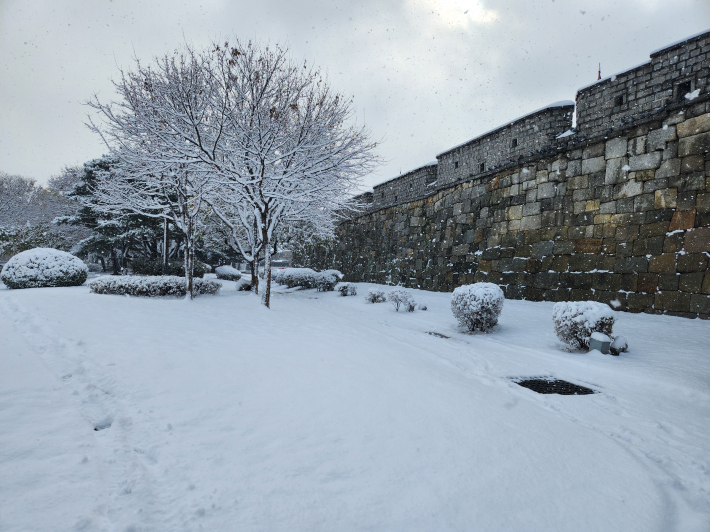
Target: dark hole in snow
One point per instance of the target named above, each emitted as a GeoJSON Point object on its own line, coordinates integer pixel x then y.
{"type": "Point", "coordinates": [554, 386]}
{"type": "Point", "coordinates": [102, 426]}
{"type": "Point", "coordinates": [438, 335]}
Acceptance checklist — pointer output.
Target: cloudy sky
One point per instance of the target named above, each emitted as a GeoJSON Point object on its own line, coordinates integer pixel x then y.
{"type": "Point", "coordinates": [425, 74]}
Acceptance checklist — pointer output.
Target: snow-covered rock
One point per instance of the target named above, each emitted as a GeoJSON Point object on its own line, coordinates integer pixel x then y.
{"type": "Point", "coordinates": [575, 321]}
{"type": "Point", "coordinates": [227, 273]}
{"type": "Point", "coordinates": [477, 306]}
{"type": "Point", "coordinates": [618, 346]}
{"type": "Point", "coordinates": [150, 286]}
{"type": "Point", "coordinates": [42, 267]}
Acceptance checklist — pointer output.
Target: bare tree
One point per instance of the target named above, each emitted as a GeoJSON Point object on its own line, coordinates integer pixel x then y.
{"type": "Point", "coordinates": [264, 140]}
{"type": "Point", "coordinates": [288, 152]}
{"type": "Point", "coordinates": [163, 118]}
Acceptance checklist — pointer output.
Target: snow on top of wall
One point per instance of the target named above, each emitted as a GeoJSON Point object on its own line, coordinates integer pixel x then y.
{"type": "Point", "coordinates": [433, 163]}
{"type": "Point", "coordinates": [565, 134]}
{"type": "Point", "coordinates": [681, 41]}
{"type": "Point", "coordinates": [562, 103]}
{"type": "Point", "coordinates": [614, 76]}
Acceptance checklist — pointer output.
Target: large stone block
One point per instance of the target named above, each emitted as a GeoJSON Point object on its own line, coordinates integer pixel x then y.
{"type": "Point", "coordinates": [542, 249]}
{"type": "Point", "coordinates": [697, 144]}
{"type": "Point", "coordinates": [690, 282]}
{"type": "Point", "coordinates": [581, 181]}
{"type": "Point", "coordinates": [649, 246]}
{"type": "Point", "coordinates": [692, 163]}
{"type": "Point", "coordinates": [670, 168]}
{"type": "Point", "coordinates": [646, 161]}
{"type": "Point", "coordinates": [700, 304]}
{"type": "Point", "coordinates": [656, 139]}
{"type": "Point", "coordinates": [675, 301]}
{"type": "Point", "coordinates": [596, 164]}
{"type": "Point", "coordinates": [530, 222]}
{"type": "Point", "coordinates": [547, 190]}
{"type": "Point", "coordinates": [698, 240]}
{"type": "Point", "coordinates": [616, 148]}
{"type": "Point", "coordinates": [628, 190]}
{"type": "Point", "coordinates": [631, 265]}
{"type": "Point", "coordinates": [693, 126]}
{"type": "Point", "coordinates": [664, 263]}
{"type": "Point", "coordinates": [666, 199]}
{"type": "Point", "coordinates": [682, 220]}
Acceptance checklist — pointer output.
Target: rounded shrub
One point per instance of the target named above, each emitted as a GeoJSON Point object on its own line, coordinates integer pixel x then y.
{"type": "Point", "coordinates": [325, 282]}
{"type": "Point", "coordinates": [41, 267]}
{"type": "Point", "coordinates": [227, 273]}
{"type": "Point", "coordinates": [477, 306]}
{"type": "Point", "coordinates": [575, 321]}
{"type": "Point", "coordinates": [347, 289]}
{"type": "Point", "coordinates": [375, 295]}
{"type": "Point", "coordinates": [401, 299]}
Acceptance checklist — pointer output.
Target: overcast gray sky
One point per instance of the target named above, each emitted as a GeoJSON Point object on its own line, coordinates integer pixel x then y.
{"type": "Point", "coordinates": [425, 74]}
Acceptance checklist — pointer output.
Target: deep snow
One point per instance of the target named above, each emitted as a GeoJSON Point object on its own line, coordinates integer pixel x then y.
{"type": "Point", "coordinates": [330, 413]}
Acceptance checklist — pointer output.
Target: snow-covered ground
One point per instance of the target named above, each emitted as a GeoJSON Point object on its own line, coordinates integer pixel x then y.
{"type": "Point", "coordinates": [329, 413]}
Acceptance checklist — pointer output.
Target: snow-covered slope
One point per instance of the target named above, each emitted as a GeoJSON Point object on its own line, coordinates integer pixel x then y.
{"type": "Point", "coordinates": [330, 413]}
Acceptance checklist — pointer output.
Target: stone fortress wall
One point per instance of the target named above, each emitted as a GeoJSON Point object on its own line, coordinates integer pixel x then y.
{"type": "Point", "coordinates": [615, 210]}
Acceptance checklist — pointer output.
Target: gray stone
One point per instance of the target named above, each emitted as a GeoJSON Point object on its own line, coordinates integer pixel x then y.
{"type": "Point", "coordinates": [615, 172]}
{"type": "Point", "coordinates": [616, 148]}
{"type": "Point", "coordinates": [647, 161]}
{"type": "Point", "coordinates": [601, 342]}
{"type": "Point", "coordinates": [596, 164]}
{"type": "Point", "coordinates": [656, 139]}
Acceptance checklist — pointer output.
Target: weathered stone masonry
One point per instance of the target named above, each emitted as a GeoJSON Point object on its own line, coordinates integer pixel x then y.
{"type": "Point", "coordinates": [619, 210]}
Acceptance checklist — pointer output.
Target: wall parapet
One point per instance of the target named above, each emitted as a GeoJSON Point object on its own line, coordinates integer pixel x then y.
{"type": "Point", "coordinates": [634, 97]}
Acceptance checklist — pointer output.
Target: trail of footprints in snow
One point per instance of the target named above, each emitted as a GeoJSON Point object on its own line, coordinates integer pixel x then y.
{"type": "Point", "coordinates": [123, 467]}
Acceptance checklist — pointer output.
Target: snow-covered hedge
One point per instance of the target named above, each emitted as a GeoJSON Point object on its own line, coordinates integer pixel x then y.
{"type": "Point", "coordinates": [477, 306]}
{"type": "Point", "coordinates": [375, 295]}
{"type": "Point", "coordinates": [337, 273]}
{"type": "Point", "coordinates": [401, 298]}
{"type": "Point", "coordinates": [325, 282]}
{"type": "Point", "coordinates": [575, 321]}
{"type": "Point", "coordinates": [150, 286]}
{"type": "Point", "coordinates": [227, 273]}
{"type": "Point", "coordinates": [41, 267]}
{"type": "Point", "coordinates": [347, 289]}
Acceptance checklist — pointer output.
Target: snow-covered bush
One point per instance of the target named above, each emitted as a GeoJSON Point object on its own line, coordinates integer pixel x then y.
{"type": "Point", "coordinates": [401, 298]}
{"type": "Point", "coordinates": [477, 306]}
{"type": "Point", "coordinates": [40, 267]}
{"type": "Point", "coordinates": [325, 282]}
{"type": "Point", "coordinates": [347, 289]}
{"type": "Point", "coordinates": [292, 277]}
{"type": "Point", "coordinates": [277, 275]}
{"type": "Point", "coordinates": [337, 273]}
{"type": "Point", "coordinates": [575, 321]}
{"type": "Point", "coordinates": [244, 286]}
{"type": "Point", "coordinates": [375, 295]}
{"type": "Point", "coordinates": [150, 286]}
{"type": "Point", "coordinates": [227, 273]}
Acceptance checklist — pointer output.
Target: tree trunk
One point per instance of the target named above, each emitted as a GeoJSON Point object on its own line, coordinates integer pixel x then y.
{"type": "Point", "coordinates": [266, 293]}
{"type": "Point", "coordinates": [114, 261]}
{"type": "Point", "coordinates": [165, 246]}
{"type": "Point", "coordinates": [254, 278]}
